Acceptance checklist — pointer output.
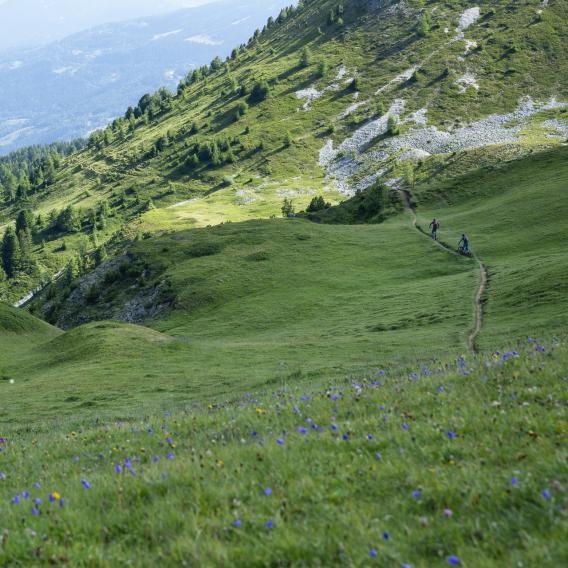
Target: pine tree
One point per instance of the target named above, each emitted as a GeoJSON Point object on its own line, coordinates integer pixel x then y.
{"type": "Point", "coordinates": [25, 221]}
{"type": "Point", "coordinates": [10, 252]}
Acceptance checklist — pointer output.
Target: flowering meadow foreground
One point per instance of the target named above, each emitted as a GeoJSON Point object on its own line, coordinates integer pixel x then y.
{"type": "Point", "coordinates": [457, 463]}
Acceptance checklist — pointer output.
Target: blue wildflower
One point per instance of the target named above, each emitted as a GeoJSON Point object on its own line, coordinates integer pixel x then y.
{"type": "Point", "coordinates": [405, 426]}
{"type": "Point", "coordinates": [454, 560]}
{"type": "Point", "coordinates": [268, 491]}
{"type": "Point", "coordinates": [378, 456]}
{"type": "Point", "coordinates": [37, 501]}
{"type": "Point", "coordinates": [269, 525]}
{"type": "Point", "coordinates": [254, 434]}
{"type": "Point", "coordinates": [373, 553]}
{"type": "Point", "coordinates": [345, 437]}
{"type": "Point", "coordinates": [118, 469]}
{"type": "Point", "coordinates": [238, 523]}
{"type": "Point", "coordinates": [36, 485]}
{"type": "Point", "coordinates": [280, 441]}
{"type": "Point", "coordinates": [302, 430]}
{"type": "Point", "coordinates": [35, 511]}
{"type": "Point", "coordinates": [171, 456]}
{"type": "Point", "coordinates": [417, 494]}
{"type": "Point", "coordinates": [85, 484]}
{"type": "Point", "coordinates": [386, 536]}
{"type": "Point", "coordinates": [514, 481]}
{"type": "Point", "coordinates": [546, 494]}
{"type": "Point", "coordinates": [451, 435]}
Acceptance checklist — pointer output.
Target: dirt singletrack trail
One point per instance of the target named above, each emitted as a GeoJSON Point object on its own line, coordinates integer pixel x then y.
{"type": "Point", "coordinates": [478, 302]}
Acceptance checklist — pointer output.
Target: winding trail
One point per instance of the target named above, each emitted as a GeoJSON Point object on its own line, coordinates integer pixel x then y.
{"type": "Point", "coordinates": [483, 280]}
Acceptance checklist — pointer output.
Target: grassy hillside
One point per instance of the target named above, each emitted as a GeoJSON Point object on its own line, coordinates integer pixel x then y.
{"type": "Point", "coordinates": [272, 150]}
{"type": "Point", "coordinates": [235, 389]}
{"type": "Point", "coordinates": [515, 216]}
{"type": "Point", "coordinates": [245, 304]}
{"type": "Point", "coordinates": [443, 463]}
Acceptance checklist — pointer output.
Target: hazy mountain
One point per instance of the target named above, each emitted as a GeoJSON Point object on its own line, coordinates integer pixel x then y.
{"type": "Point", "coordinates": [68, 88]}
{"type": "Point", "coordinates": [25, 23]}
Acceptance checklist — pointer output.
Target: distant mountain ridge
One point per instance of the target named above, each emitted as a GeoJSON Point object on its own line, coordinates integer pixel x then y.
{"type": "Point", "coordinates": [67, 89]}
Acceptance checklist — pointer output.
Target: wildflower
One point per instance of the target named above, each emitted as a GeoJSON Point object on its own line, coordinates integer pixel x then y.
{"type": "Point", "coordinates": [35, 511]}
{"type": "Point", "coordinates": [238, 523]}
{"type": "Point", "coordinates": [280, 441]}
{"type": "Point", "coordinates": [156, 459]}
{"type": "Point", "coordinates": [546, 494]}
{"type": "Point", "coordinates": [76, 459]}
{"type": "Point", "coordinates": [373, 553]}
{"type": "Point", "coordinates": [386, 536]}
{"type": "Point", "coordinates": [335, 397]}
{"type": "Point", "coordinates": [254, 434]}
{"type": "Point", "coordinates": [62, 502]}
{"type": "Point", "coordinates": [514, 481]}
{"type": "Point", "coordinates": [16, 500]}
{"type": "Point", "coordinates": [118, 469]}
{"type": "Point", "coordinates": [171, 456]}
{"type": "Point", "coordinates": [2, 476]}
{"type": "Point", "coordinates": [382, 373]}
{"type": "Point", "coordinates": [378, 456]}
{"type": "Point", "coordinates": [36, 485]}
{"type": "Point", "coordinates": [259, 411]}
{"type": "Point", "coordinates": [417, 494]}
{"type": "Point", "coordinates": [54, 497]}
{"type": "Point", "coordinates": [37, 501]}
{"type": "Point", "coordinates": [268, 491]}
{"type": "Point", "coordinates": [85, 484]}
{"type": "Point", "coordinates": [441, 389]}
{"type": "Point", "coordinates": [448, 513]}
{"type": "Point", "coordinates": [414, 376]}
{"type": "Point", "coordinates": [26, 495]}
{"type": "Point", "coordinates": [369, 437]}
{"type": "Point", "coordinates": [453, 560]}
{"type": "Point", "coordinates": [302, 430]}
{"type": "Point", "coordinates": [451, 435]}
{"type": "Point", "coordinates": [382, 407]}
{"type": "Point", "coordinates": [334, 427]}
{"type": "Point", "coordinates": [296, 409]}
{"type": "Point", "coordinates": [269, 524]}
{"type": "Point", "coordinates": [345, 437]}
{"type": "Point", "coordinates": [405, 426]}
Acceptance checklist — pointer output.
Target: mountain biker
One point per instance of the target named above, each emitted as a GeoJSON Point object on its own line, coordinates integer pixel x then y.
{"type": "Point", "coordinates": [463, 245]}
{"type": "Point", "coordinates": [434, 225]}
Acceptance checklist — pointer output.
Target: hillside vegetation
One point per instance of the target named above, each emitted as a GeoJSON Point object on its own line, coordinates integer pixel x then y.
{"type": "Point", "coordinates": [330, 387]}
{"type": "Point", "coordinates": [243, 134]}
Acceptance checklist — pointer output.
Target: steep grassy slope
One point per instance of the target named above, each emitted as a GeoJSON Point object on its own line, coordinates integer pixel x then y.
{"type": "Point", "coordinates": [521, 51]}
{"type": "Point", "coordinates": [19, 331]}
{"type": "Point", "coordinates": [249, 304]}
{"type": "Point", "coordinates": [515, 217]}
{"type": "Point", "coordinates": [443, 463]}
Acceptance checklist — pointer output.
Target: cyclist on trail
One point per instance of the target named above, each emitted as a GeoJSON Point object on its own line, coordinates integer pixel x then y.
{"type": "Point", "coordinates": [434, 225]}
{"type": "Point", "coordinates": [463, 245]}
